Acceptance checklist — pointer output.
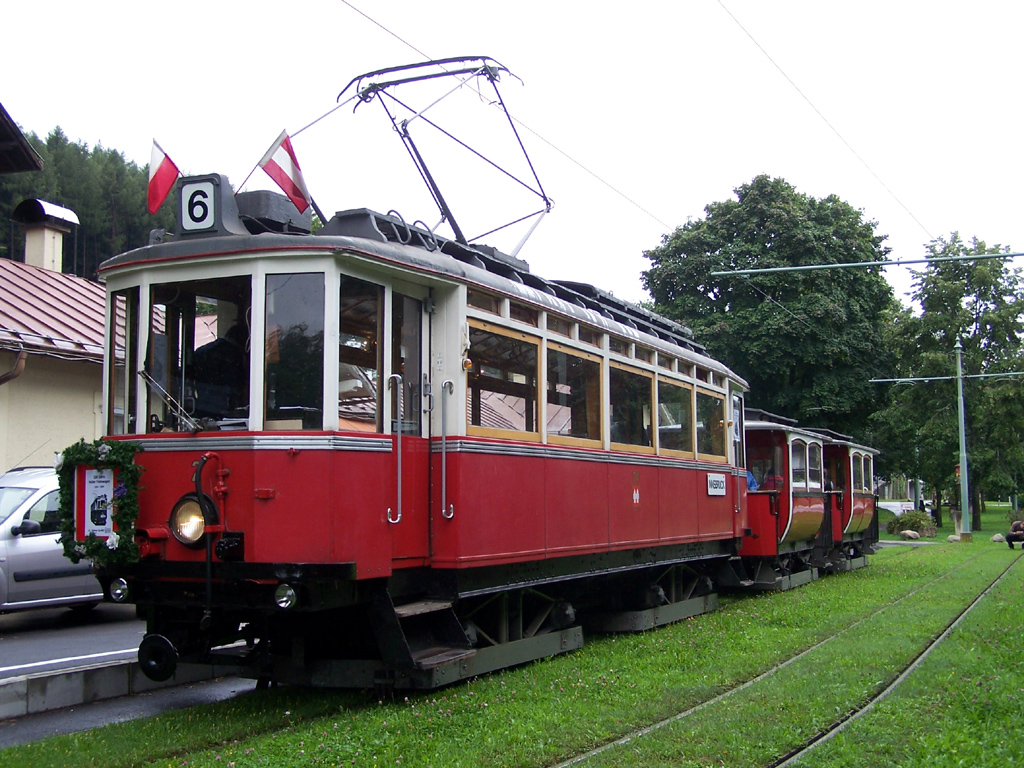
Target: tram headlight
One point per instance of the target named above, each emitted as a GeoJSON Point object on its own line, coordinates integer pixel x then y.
{"type": "Point", "coordinates": [285, 596]}
{"type": "Point", "coordinates": [119, 590]}
{"type": "Point", "coordinates": [187, 522]}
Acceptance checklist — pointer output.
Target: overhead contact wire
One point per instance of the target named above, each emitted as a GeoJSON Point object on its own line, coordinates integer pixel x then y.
{"type": "Point", "coordinates": [825, 120]}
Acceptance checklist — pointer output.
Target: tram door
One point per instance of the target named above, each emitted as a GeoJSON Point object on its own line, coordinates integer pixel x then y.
{"type": "Point", "coordinates": [410, 533]}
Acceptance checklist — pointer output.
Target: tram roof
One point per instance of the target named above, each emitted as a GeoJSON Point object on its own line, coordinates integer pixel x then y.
{"type": "Point", "coordinates": [389, 239]}
{"type": "Point", "coordinates": [756, 419]}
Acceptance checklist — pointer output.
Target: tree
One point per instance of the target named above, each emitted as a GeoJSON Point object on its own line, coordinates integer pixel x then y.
{"type": "Point", "coordinates": [980, 303]}
{"type": "Point", "coordinates": [807, 342]}
{"type": "Point", "coordinates": [106, 192]}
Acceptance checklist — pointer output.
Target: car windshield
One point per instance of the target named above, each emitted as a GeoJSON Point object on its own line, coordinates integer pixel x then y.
{"type": "Point", "coordinates": [11, 498]}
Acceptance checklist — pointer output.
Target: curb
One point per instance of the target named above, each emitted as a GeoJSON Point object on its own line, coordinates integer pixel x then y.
{"type": "Point", "coordinates": [46, 691]}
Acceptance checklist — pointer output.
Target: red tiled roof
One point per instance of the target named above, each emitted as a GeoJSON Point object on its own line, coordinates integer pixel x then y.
{"type": "Point", "coordinates": [50, 313]}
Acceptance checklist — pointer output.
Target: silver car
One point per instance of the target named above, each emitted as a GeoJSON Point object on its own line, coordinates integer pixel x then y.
{"type": "Point", "coordinates": [34, 573]}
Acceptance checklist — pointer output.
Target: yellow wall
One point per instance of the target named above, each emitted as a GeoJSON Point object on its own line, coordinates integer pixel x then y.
{"type": "Point", "coordinates": [53, 404]}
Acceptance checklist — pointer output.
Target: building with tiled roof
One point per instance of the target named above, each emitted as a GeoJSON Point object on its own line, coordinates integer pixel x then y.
{"type": "Point", "coordinates": [51, 333]}
{"type": "Point", "coordinates": [51, 355]}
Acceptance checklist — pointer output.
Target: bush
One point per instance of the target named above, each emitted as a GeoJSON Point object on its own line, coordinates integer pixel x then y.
{"type": "Point", "coordinates": [912, 520]}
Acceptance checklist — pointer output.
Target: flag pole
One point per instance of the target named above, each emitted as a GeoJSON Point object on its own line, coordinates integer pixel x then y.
{"type": "Point", "coordinates": [317, 211]}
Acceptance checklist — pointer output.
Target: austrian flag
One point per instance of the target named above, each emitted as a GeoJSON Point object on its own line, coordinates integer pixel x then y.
{"type": "Point", "coordinates": [162, 175]}
{"type": "Point", "coordinates": [282, 166]}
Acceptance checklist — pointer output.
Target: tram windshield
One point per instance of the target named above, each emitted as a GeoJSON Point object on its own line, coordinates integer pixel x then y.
{"type": "Point", "coordinates": [197, 363]}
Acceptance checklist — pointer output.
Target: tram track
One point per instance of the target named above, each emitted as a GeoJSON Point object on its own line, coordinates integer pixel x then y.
{"type": "Point", "coordinates": [836, 726]}
{"type": "Point", "coordinates": [801, 751]}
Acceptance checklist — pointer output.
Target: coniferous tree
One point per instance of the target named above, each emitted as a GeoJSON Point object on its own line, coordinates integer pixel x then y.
{"type": "Point", "coordinates": [106, 192]}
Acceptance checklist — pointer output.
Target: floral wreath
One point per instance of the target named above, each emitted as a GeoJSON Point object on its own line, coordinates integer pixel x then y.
{"type": "Point", "coordinates": [120, 548]}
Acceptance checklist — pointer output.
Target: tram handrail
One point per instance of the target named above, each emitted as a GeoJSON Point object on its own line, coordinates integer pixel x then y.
{"type": "Point", "coordinates": [398, 443]}
{"type": "Point", "coordinates": [447, 388]}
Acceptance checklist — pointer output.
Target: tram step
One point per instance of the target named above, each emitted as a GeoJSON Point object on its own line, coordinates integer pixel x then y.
{"type": "Point", "coordinates": [422, 606]}
{"type": "Point", "coordinates": [436, 656]}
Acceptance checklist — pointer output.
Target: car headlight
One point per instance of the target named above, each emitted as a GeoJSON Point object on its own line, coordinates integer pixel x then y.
{"type": "Point", "coordinates": [187, 522]}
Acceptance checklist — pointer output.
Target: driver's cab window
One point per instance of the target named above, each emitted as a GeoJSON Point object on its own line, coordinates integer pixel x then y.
{"type": "Point", "coordinates": [359, 358]}
{"type": "Point", "coordinates": [294, 352]}
{"type": "Point", "coordinates": [197, 363]}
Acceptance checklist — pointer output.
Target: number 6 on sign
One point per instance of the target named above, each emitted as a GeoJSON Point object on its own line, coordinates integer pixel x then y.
{"type": "Point", "coordinates": [197, 202]}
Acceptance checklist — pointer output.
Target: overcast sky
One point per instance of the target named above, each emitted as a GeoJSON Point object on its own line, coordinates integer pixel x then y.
{"type": "Point", "coordinates": [635, 118]}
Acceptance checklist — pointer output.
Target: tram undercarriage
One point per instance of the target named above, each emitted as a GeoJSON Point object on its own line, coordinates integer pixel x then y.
{"type": "Point", "coordinates": [387, 638]}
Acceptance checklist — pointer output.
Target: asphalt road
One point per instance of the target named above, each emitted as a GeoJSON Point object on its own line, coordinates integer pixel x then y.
{"type": "Point", "coordinates": [59, 638]}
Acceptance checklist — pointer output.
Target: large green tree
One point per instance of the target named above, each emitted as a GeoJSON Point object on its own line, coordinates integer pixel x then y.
{"type": "Point", "coordinates": [807, 341]}
{"type": "Point", "coordinates": [980, 303]}
{"type": "Point", "coordinates": [106, 192]}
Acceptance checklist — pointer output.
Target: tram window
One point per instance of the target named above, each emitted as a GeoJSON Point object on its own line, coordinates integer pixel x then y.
{"type": "Point", "coordinates": [710, 424]}
{"type": "Point", "coordinates": [557, 325]}
{"type": "Point", "coordinates": [868, 476]}
{"type": "Point", "coordinates": [766, 460]}
{"type": "Point", "coordinates": [406, 341]}
{"type": "Point", "coordinates": [484, 301]}
{"type": "Point", "coordinates": [798, 464]}
{"type": "Point", "coordinates": [675, 417]}
{"type": "Point", "coordinates": [858, 472]}
{"type": "Point", "coordinates": [665, 361]}
{"type": "Point", "coordinates": [618, 346]}
{"type": "Point", "coordinates": [702, 374]}
{"type": "Point", "coordinates": [631, 401]}
{"type": "Point", "coordinates": [197, 366]}
{"type": "Point", "coordinates": [590, 336]}
{"type": "Point", "coordinates": [502, 383]}
{"type": "Point", "coordinates": [359, 407]}
{"type": "Point", "coordinates": [837, 473]}
{"type": "Point", "coordinates": [814, 465]}
{"type": "Point", "coordinates": [522, 314]}
{"type": "Point", "coordinates": [642, 354]}
{"type": "Point", "coordinates": [294, 352]}
{"type": "Point", "coordinates": [737, 430]}
{"type": "Point", "coordinates": [574, 395]}
{"type": "Point", "coordinates": [122, 357]}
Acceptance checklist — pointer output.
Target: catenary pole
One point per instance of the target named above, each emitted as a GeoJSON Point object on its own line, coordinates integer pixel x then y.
{"type": "Point", "coordinates": [965, 514]}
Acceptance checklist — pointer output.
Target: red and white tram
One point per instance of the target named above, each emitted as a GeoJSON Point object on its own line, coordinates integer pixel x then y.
{"type": "Point", "coordinates": [373, 456]}
{"type": "Point", "coordinates": [813, 509]}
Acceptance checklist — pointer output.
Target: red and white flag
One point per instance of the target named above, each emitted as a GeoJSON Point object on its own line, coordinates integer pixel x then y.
{"type": "Point", "coordinates": [282, 166]}
{"type": "Point", "coordinates": [162, 175]}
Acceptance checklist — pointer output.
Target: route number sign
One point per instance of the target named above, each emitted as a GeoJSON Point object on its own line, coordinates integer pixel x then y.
{"type": "Point", "coordinates": [197, 206]}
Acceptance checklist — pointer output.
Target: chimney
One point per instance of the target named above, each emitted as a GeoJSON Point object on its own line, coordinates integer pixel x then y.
{"type": "Point", "coordinates": [44, 225]}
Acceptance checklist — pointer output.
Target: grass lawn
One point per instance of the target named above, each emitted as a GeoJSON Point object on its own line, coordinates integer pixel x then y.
{"type": "Point", "coordinates": [537, 715]}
